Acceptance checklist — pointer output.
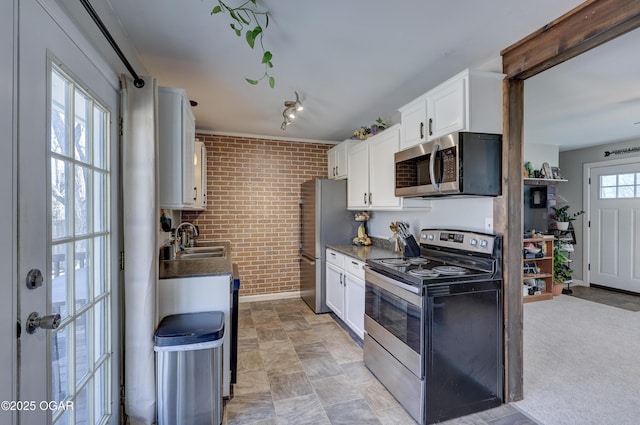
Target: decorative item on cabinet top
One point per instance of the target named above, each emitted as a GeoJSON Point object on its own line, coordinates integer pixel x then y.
{"type": "Point", "coordinates": [365, 132]}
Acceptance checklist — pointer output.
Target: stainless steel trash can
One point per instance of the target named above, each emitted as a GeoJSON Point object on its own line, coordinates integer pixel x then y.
{"type": "Point", "coordinates": [189, 368]}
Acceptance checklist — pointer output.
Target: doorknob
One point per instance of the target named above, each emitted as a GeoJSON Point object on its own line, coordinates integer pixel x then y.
{"type": "Point", "coordinates": [34, 321]}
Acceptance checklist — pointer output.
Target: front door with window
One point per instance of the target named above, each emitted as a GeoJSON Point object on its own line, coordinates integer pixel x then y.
{"type": "Point", "coordinates": [67, 178]}
{"type": "Point", "coordinates": [614, 209]}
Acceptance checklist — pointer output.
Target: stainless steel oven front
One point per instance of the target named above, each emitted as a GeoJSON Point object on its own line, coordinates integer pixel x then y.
{"type": "Point", "coordinates": [394, 338]}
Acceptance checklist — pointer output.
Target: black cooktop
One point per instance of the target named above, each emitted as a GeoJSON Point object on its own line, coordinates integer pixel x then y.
{"type": "Point", "coordinates": [423, 271]}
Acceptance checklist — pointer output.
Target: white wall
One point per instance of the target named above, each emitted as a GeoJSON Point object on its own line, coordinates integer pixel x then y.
{"type": "Point", "coordinates": [8, 211]}
{"type": "Point", "coordinates": [538, 154]}
{"type": "Point", "coordinates": [448, 213]}
{"type": "Point", "coordinates": [572, 165]}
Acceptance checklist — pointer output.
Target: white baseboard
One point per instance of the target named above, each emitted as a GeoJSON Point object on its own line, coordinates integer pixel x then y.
{"type": "Point", "coordinates": [268, 297]}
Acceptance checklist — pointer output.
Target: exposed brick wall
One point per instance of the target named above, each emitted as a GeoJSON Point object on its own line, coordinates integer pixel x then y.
{"type": "Point", "coordinates": [253, 188]}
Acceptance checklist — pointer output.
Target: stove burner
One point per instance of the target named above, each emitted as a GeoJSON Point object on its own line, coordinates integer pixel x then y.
{"type": "Point", "coordinates": [395, 262]}
{"type": "Point", "coordinates": [450, 270]}
{"type": "Point", "coordinates": [423, 273]}
{"type": "Point", "coordinates": [418, 261]}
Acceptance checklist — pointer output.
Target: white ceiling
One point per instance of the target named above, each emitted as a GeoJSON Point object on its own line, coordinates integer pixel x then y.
{"type": "Point", "coordinates": [589, 100]}
{"type": "Point", "coordinates": [350, 61]}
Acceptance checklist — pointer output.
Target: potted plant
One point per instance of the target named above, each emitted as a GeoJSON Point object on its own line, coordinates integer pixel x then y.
{"type": "Point", "coordinates": [561, 270]}
{"type": "Point", "coordinates": [563, 217]}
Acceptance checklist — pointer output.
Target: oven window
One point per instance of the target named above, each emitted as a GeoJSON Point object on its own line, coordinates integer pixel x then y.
{"type": "Point", "coordinates": [396, 315]}
{"type": "Point", "coordinates": [413, 172]}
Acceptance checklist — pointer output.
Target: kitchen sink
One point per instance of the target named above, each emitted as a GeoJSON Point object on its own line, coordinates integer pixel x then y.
{"type": "Point", "coordinates": [204, 250]}
{"type": "Point", "coordinates": [195, 255]}
{"type": "Point", "coordinates": [195, 252]}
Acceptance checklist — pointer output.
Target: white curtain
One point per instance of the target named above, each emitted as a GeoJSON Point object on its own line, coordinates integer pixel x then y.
{"type": "Point", "coordinates": [140, 215]}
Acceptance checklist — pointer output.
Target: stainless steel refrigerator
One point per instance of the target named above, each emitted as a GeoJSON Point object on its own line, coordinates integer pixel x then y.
{"type": "Point", "coordinates": [324, 220]}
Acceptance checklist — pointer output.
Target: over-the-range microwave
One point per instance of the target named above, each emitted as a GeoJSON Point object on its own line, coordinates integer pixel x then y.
{"type": "Point", "coordinates": [462, 163]}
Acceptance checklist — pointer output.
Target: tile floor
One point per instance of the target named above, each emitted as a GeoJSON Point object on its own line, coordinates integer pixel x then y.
{"type": "Point", "coordinates": [299, 368]}
{"type": "Point", "coordinates": [608, 297]}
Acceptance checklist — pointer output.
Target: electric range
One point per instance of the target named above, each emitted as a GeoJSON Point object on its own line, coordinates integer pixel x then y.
{"type": "Point", "coordinates": [435, 321]}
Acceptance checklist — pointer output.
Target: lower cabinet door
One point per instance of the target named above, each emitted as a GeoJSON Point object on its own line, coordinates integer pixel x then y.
{"type": "Point", "coordinates": [335, 289]}
{"type": "Point", "coordinates": [354, 304]}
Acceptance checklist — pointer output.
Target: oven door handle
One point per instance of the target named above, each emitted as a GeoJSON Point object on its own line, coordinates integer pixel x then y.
{"type": "Point", "coordinates": [432, 163]}
{"type": "Point", "coordinates": [409, 293]}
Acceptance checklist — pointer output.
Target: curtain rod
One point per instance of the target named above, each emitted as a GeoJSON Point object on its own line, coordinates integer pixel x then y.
{"type": "Point", "coordinates": [137, 81]}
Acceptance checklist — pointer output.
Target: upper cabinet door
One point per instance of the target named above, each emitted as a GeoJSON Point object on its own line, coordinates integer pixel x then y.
{"type": "Point", "coordinates": [337, 160]}
{"type": "Point", "coordinates": [200, 176]}
{"type": "Point", "coordinates": [331, 162]}
{"type": "Point", "coordinates": [469, 101]}
{"type": "Point", "coordinates": [447, 108]}
{"type": "Point", "coordinates": [188, 142]}
{"type": "Point", "coordinates": [413, 118]}
{"type": "Point", "coordinates": [341, 163]}
{"type": "Point", "coordinates": [382, 169]}
{"type": "Point", "coordinates": [358, 181]}
{"type": "Point", "coordinates": [176, 138]}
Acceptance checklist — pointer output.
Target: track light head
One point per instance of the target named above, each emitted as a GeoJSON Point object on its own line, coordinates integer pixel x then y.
{"type": "Point", "coordinates": [291, 107]}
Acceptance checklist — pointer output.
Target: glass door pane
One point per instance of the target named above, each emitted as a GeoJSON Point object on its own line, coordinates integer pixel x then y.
{"type": "Point", "coordinates": [80, 245]}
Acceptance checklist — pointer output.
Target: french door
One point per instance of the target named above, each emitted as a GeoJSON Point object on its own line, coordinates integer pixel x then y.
{"type": "Point", "coordinates": [68, 244]}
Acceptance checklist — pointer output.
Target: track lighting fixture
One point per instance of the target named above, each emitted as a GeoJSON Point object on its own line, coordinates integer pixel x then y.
{"type": "Point", "coordinates": [291, 107]}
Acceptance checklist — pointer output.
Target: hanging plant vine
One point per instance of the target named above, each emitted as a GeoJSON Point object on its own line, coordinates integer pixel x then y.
{"type": "Point", "coordinates": [248, 19]}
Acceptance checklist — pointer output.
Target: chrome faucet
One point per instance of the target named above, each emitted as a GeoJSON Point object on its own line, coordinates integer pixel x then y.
{"type": "Point", "coordinates": [178, 239]}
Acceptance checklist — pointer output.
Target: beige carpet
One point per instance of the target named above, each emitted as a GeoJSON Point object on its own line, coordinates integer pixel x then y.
{"type": "Point", "coordinates": [581, 363]}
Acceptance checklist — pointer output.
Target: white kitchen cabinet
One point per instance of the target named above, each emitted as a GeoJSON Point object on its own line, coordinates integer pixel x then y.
{"type": "Point", "coordinates": [354, 295]}
{"type": "Point", "coordinates": [199, 176]}
{"type": "Point", "coordinates": [337, 160]}
{"type": "Point", "coordinates": [468, 101]}
{"type": "Point", "coordinates": [382, 169]}
{"type": "Point", "coordinates": [358, 176]}
{"type": "Point", "coordinates": [196, 294]}
{"type": "Point", "coordinates": [176, 139]}
{"type": "Point", "coordinates": [413, 123]}
{"type": "Point", "coordinates": [371, 172]}
{"type": "Point", "coordinates": [345, 289]}
{"type": "Point", "coordinates": [334, 281]}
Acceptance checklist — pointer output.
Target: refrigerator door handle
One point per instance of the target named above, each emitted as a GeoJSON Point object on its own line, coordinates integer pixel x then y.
{"type": "Point", "coordinates": [311, 261]}
{"type": "Point", "coordinates": [300, 229]}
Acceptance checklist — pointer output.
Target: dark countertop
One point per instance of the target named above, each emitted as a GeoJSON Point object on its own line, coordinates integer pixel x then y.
{"type": "Point", "coordinates": [363, 253]}
{"type": "Point", "coordinates": [195, 267]}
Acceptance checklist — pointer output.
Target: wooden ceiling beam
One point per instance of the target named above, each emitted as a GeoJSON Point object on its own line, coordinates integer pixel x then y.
{"type": "Point", "coordinates": [589, 25]}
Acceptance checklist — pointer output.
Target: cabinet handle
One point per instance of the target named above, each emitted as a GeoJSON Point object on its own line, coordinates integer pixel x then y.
{"type": "Point", "coordinates": [195, 193]}
{"type": "Point", "coordinates": [422, 130]}
{"type": "Point", "coordinates": [369, 198]}
{"type": "Point", "coordinates": [341, 279]}
{"type": "Point", "coordinates": [337, 170]}
{"type": "Point", "coordinates": [365, 198]}
{"type": "Point", "coordinates": [430, 126]}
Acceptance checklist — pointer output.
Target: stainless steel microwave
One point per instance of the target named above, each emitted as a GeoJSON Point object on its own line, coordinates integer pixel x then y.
{"type": "Point", "coordinates": [463, 163]}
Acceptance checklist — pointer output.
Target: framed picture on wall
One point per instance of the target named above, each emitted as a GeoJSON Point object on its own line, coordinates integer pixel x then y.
{"type": "Point", "coordinates": [538, 197]}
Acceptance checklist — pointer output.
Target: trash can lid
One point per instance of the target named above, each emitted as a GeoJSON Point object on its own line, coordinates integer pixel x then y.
{"type": "Point", "coordinates": [190, 328]}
